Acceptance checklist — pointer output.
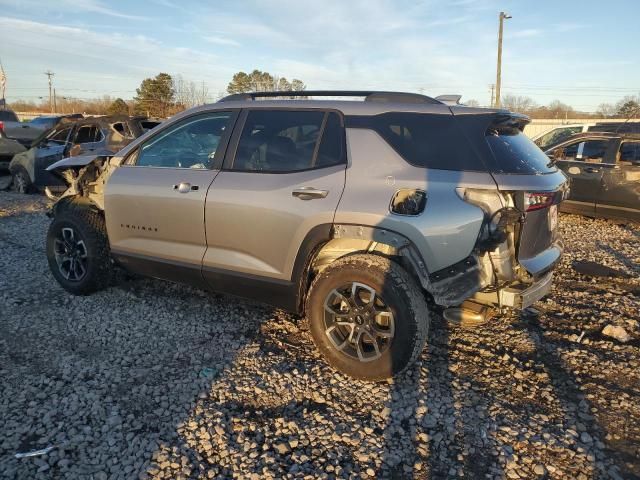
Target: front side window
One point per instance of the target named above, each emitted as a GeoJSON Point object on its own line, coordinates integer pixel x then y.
{"type": "Point", "coordinates": [191, 143]}
{"type": "Point", "coordinates": [630, 153]}
{"type": "Point", "coordinates": [60, 136]}
{"type": "Point", "coordinates": [287, 141]}
{"type": "Point", "coordinates": [591, 151]}
{"type": "Point", "coordinates": [569, 152]}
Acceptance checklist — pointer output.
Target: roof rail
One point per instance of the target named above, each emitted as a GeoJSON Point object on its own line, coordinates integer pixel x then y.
{"type": "Point", "coordinates": [369, 95]}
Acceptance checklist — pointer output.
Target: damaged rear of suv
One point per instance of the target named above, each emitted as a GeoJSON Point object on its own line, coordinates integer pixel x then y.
{"type": "Point", "coordinates": [354, 214]}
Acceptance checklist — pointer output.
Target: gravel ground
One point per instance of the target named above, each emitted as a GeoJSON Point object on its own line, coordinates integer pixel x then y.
{"type": "Point", "coordinates": [154, 380]}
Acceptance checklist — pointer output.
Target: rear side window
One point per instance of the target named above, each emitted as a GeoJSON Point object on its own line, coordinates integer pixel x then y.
{"type": "Point", "coordinates": [147, 125]}
{"type": "Point", "coordinates": [286, 141]}
{"type": "Point", "coordinates": [425, 140]}
{"type": "Point", "coordinates": [8, 116]}
{"type": "Point", "coordinates": [88, 134]}
{"type": "Point", "coordinates": [515, 153]}
{"type": "Point", "coordinates": [332, 146]}
{"type": "Point", "coordinates": [123, 129]}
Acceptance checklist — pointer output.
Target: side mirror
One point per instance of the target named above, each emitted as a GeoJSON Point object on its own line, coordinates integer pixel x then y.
{"type": "Point", "coordinates": [556, 154]}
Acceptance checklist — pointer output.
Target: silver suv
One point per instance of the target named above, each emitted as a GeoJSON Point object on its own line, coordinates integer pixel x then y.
{"type": "Point", "coordinates": [364, 216]}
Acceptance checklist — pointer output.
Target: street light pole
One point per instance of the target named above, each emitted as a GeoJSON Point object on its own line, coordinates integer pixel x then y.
{"type": "Point", "coordinates": [503, 17]}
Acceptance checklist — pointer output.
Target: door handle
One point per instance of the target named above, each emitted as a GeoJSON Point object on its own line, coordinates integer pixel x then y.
{"type": "Point", "coordinates": [309, 193]}
{"type": "Point", "coordinates": [591, 169]}
{"type": "Point", "coordinates": [185, 187]}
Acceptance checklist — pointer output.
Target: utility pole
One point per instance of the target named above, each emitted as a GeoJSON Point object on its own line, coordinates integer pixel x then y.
{"type": "Point", "coordinates": [493, 88]}
{"type": "Point", "coordinates": [50, 74]}
{"type": "Point", "coordinates": [503, 16]}
{"type": "Point", "coordinates": [55, 104]}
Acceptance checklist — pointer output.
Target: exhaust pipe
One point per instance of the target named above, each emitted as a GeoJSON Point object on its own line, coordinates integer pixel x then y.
{"type": "Point", "coordinates": [468, 315]}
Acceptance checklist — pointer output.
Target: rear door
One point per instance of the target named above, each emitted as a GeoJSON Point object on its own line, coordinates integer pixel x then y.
{"type": "Point", "coordinates": [283, 178]}
{"type": "Point", "coordinates": [155, 202]}
{"type": "Point", "coordinates": [89, 137]}
{"type": "Point", "coordinates": [620, 193]}
{"type": "Point", "coordinates": [581, 161]}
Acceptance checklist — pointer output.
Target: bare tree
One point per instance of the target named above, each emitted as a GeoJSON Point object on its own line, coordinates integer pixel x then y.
{"type": "Point", "coordinates": [517, 103]}
{"type": "Point", "coordinates": [606, 110]}
{"type": "Point", "coordinates": [188, 94]}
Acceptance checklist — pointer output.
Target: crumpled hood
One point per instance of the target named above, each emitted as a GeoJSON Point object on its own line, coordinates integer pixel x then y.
{"type": "Point", "coordinates": [80, 160]}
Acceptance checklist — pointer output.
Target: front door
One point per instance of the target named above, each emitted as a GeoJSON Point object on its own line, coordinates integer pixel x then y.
{"type": "Point", "coordinates": [155, 203]}
{"type": "Point", "coordinates": [283, 178]}
{"type": "Point", "coordinates": [48, 152]}
{"type": "Point", "coordinates": [581, 162]}
{"type": "Point", "coordinates": [620, 193]}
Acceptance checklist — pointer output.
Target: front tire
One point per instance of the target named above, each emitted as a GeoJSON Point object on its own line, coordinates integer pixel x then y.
{"type": "Point", "coordinates": [21, 181]}
{"type": "Point", "coordinates": [78, 249]}
{"type": "Point", "coordinates": [367, 316]}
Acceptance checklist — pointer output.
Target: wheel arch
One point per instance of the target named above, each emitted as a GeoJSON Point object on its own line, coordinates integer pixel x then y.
{"type": "Point", "coordinates": [74, 201]}
{"type": "Point", "coordinates": [326, 243]}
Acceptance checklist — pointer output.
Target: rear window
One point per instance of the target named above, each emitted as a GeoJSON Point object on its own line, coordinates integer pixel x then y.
{"type": "Point", "coordinates": [8, 116]}
{"type": "Point", "coordinates": [424, 140]}
{"type": "Point", "coordinates": [514, 152]}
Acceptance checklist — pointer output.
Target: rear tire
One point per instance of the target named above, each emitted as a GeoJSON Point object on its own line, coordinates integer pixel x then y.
{"type": "Point", "coordinates": [367, 339]}
{"type": "Point", "coordinates": [78, 249]}
{"type": "Point", "coordinates": [21, 181]}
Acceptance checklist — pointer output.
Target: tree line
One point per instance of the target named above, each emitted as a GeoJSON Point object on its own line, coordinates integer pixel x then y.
{"type": "Point", "coordinates": [627, 107]}
{"type": "Point", "coordinates": [163, 95]}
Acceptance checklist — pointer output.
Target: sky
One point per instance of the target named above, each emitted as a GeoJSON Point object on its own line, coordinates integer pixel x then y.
{"type": "Point", "coordinates": [581, 52]}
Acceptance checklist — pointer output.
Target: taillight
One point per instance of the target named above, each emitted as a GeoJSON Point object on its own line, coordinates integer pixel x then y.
{"type": "Point", "coordinates": [1, 126]}
{"type": "Point", "coordinates": [538, 200]}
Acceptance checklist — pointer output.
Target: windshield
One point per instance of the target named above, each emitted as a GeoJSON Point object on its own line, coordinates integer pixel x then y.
{"type": "Point", "coordinates": [516, 153]}
{"type": "Point", "coordinates": [555, 136]}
